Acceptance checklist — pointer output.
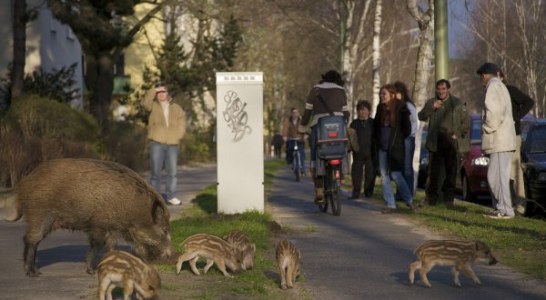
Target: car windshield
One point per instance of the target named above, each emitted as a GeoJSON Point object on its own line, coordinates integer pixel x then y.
{"type": "Point", "coordinates": [476, 132]}
{"type": "Point", "coordinates": [537, 140]}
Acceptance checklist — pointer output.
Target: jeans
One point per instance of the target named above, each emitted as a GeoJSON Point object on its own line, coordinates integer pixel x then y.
{"type": "Point", "coordinates": [163, 154]}
{"type": "Point", "coordinates": [401, 184]}
{"type": "Point", "coordinates": [409, 174]}
{"type": "Point", "coordinates": [290, 152]}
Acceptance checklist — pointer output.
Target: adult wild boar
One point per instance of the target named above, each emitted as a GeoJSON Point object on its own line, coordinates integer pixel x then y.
{"type": "Point", "coordinates": [101, 198]}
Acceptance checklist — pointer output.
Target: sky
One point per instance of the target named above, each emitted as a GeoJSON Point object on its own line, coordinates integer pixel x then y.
{"type": "Point", "coordinates": [457, 14]}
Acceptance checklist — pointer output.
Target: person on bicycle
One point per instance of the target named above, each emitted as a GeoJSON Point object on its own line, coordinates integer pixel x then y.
{"type": "Point", "coordinates": [291, 136]}
{"type": "Point", "coordinates": [325, 97]}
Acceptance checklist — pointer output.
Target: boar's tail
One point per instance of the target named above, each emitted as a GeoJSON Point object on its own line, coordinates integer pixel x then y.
{"type": "Point", "coordinates": [10, 210]}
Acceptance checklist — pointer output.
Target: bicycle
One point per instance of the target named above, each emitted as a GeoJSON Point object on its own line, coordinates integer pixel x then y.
{"type": "Point", "coordinates": [332, 186]}
{"type": "Point", "coordinates": [332, 143]}
{"type": "Point", "coordinates": [297, 162]}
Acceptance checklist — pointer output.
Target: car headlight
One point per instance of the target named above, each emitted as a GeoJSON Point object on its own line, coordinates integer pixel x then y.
{"type": "Point", "coordinates": [480, 161]}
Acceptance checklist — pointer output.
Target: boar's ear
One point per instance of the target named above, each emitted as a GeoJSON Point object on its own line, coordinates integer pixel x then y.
{"type": "Point", "coordinates": [160, 213]}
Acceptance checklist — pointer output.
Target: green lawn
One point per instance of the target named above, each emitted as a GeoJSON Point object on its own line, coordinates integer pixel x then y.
{"type": "Point", "coordinates": [519, 243]}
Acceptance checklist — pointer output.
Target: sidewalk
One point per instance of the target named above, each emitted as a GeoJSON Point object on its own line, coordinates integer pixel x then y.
{"type": "Point", "coordinates": [363, 254]}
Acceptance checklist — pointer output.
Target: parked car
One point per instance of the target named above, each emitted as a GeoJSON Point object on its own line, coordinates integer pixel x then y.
{"type": "Point", "coordinates": [472, 168]}
{"type": "Point", "coordinates": [533, 156]}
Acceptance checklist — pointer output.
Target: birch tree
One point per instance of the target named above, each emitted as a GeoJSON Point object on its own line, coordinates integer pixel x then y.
{"type": "Point", "coordinates": [424, 68]}
{"type": "Point", "coordinates": [376, 54]}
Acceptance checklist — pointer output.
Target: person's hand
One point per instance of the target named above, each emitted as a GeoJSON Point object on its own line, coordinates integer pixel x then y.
{"type": "Point", "coordinates": [437, 104]}
{"type": "Point", "coordinates": [454, 136]}
{"type": "Point", "coordinates": [301, 129]}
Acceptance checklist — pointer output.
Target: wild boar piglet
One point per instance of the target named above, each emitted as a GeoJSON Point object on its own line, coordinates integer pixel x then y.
{"type": "Point", "coordinates": [214, 249]}
{"type": "Point", "coordinates": [457, 254]}
{"type": "Point", "coordinates": [122, 269]}
{"type": "Point", "coordinates": [288, 261]}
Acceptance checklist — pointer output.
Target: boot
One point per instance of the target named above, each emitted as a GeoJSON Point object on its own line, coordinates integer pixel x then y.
{"type": "Point", "coordinates": [319, 189]}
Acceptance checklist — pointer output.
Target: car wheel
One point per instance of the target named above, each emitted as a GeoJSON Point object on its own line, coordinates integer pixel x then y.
{"type": "Point", "coordinates": [467, 193]}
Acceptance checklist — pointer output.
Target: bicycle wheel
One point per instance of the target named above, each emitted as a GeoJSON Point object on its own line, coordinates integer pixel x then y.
{"type": "Point", "coordinates": [335, 198]}
{"type": "Point", "coordinates": [323, 206]}
{"type": "Point", "coordinates": [296, 165]}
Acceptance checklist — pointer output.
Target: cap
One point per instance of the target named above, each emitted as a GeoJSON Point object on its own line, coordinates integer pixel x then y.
{"type": "Point", "coordinates": [488, 68]}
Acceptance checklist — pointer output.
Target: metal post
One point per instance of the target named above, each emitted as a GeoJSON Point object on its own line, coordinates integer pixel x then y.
{"type": "Point", "coordinates": [441, 57]}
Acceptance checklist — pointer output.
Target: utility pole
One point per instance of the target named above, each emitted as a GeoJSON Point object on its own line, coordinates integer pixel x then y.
{"type": "Point", "coordinates": [441, 57]}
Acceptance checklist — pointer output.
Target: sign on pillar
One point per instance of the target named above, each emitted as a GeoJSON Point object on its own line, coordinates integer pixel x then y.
{"type": "Point", "coordinates": [239, 130]}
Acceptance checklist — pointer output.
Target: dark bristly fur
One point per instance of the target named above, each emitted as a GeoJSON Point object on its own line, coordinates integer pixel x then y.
{"type": "Point", "coordinates": [101, 198]}
{"type": "Point", "coordinates": [457, 254]}
{"type": "Point", "coordinates": [288, 261]}
{"type": "Point", "coordinates": [122, 269]}
{"type": "Point", "coordinates": [214, 249]}
{"type": "Point", "coordinates": [241, 243]}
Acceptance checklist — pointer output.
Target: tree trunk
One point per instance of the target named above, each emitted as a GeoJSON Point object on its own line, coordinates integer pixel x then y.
{"type": "Point", "coordinates": [376, 60]}
{"type": "Point", "coordinates": [99, 79]}
{"type": "Point", "coordinates": [423, 69]}
{"type": "Point", "coordinates": [19, 43]}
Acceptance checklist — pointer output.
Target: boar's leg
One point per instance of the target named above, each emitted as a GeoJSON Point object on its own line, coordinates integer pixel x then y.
{"type": "Point", "coordinates": [467, 270]}
{"type": "Point", "coordinates": [36, 232]}
{"type": "Point", "coordinates": [455, 270]}
{"type": "Point", "coordinates": [30, 257]}
{"type": "Point", "coordinates": [425, 267]}
{"type": "Point", "coordinates": [97, 241]}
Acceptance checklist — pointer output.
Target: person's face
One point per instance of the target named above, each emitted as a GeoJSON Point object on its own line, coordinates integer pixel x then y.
{"type": "Point", "coordinates": [162, 94]}
{"type": "Point", "coordinates": [442, 91]}
{"type": "Point", "coordinates": [485, 78]}
{"type": "Point", "coordinates": [363, 113]}
{"type": "Point", "coordinates": [385, 96]}
{"type": "Point", "coordinates": [295, 113]}
{"type": "Point", "coordinates": [398, 95]}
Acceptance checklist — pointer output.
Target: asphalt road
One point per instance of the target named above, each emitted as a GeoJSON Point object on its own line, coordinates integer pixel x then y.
{"type": "Point", "coordinates": [364, 254]}
{"type": "Point", "coordinates": [61, 255]}
{"type": "Point", "coordinates": [361, 254]}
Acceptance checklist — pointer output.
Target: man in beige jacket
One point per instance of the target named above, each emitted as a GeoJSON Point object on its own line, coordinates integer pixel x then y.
{"type": "Point", "coordinates": [498, 140]}
{"type": "Point", "coordinates": [166, 127]}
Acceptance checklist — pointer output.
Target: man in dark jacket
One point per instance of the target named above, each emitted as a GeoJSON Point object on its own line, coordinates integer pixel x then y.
{"type": "Point", "coordinates": [521, 105]}
{"type": "Point", "coordinates": [363, 158]}
{"type": "Point", "coordinates": [447, 122]}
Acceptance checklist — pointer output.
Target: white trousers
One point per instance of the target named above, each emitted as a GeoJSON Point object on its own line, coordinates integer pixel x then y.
{"type": "Point", "coordinates": [498, 177]}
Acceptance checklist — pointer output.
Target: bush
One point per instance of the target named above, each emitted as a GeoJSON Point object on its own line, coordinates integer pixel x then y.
{"type": "Point", "coordinates": [126, 143]}
{"type": "Point", "coordinates": [198, 146]}
{"type": "Point", "coordinates": [37, 129]}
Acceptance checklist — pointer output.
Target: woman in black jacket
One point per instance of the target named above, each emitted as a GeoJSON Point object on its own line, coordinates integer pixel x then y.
{"type": "Point", "coordinates": [391, 126]}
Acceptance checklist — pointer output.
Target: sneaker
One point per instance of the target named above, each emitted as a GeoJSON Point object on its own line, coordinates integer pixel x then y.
{"type": "Point", "coordinates": [174, 201]}
{"type": "Point", "coordinates": [412, 207]}
{"type": "Point", "coordinates": [388, 210]}
{"type": "Point", "coordinates": [498, 215]}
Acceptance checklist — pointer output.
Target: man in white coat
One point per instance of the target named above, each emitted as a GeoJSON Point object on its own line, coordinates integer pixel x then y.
{"type": "Point", "coordinates": [498, 140]}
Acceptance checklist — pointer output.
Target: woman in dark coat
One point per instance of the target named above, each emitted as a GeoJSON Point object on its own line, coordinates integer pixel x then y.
{"type": "Point", "coordinates": [392, 125]}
